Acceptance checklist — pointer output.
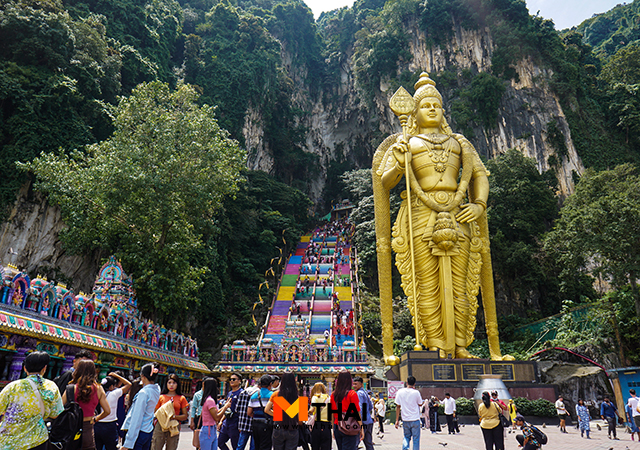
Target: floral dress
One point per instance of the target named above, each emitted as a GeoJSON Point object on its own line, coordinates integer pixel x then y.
{"type": "Point", "coordinates": [23, 426]}
{"type": "Point", "coordinates": [584, 416]}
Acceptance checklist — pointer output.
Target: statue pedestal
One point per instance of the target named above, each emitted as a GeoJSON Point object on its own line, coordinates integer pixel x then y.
{"type": "Point", "coordinates": [459, 377]}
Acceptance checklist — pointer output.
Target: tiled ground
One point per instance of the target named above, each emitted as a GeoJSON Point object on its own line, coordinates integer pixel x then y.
{"type": "Point", "coordinates": [471, 439]}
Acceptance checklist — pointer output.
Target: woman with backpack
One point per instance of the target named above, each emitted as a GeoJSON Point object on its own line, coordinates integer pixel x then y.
{"type": "Point", "coordinates": [24, 404]}
{"type": "Point", "coordinates": [285, 434]}
{"type": "Point", "coordinates": [171, 393]}
{"type": "Point", "coordinates": [88, 394]}
{"type": "Point", "coordinates": [344, 396]}
{"type": "Point", "coordinates": [139, 420]}
{"type": "Point", "coordinates": [211, 415]}
{"type": "Point", "coordinates": [106, 429]}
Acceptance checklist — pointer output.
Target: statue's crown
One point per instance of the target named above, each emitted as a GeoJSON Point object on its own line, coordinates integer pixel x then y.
{"type": "Point", "coordinates": [425, 87]}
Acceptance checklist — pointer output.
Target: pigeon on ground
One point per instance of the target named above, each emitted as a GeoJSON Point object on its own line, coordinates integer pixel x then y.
{"type": "Point", "coordinates": [444, 444]}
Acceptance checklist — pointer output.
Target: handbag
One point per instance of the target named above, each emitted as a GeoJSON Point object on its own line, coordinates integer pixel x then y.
{"type": "Point", "coordinates": [504, 421]}
{"type": "Point", "coordinates": [350, 426]}
{"type": "Point", "coordinates": [195, 441]}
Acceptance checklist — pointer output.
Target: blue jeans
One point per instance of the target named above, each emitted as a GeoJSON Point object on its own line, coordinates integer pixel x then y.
{"type": "Point", "coordinates": [243, 439]}
{"type": "Point", "coordinates": [209, 438]}
{"type": "Point", "coordinates": [411, 431]}
{"type": "Point", "coordinates": [144, 441]}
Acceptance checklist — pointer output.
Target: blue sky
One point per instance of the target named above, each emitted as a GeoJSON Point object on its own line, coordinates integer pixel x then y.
{"type": "Point", "coordinates": [565, 13]}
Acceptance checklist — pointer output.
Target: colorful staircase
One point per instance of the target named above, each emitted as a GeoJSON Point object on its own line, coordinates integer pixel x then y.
{"type": "Point", "coordinates": [316, 302]}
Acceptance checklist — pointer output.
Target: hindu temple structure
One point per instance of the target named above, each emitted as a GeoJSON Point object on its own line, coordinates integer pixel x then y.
{"type": "Point", "coordinates": [39, 314]}
{"type": "Point", "coordinates": [312, 328]}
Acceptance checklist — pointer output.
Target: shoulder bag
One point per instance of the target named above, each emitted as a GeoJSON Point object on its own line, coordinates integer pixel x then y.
{"type": "Point", "coordinates": [504, 421]}
{"type": "Point", "coordinates": [196, 433]}
{"type": "Point", "coordinates": [350, 426]}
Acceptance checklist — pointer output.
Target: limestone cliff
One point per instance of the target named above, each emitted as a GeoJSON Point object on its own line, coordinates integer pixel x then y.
{"type": "Point", "coordinates": [29, 239]}
{"type": "Point", "coordinates": [349, 128]}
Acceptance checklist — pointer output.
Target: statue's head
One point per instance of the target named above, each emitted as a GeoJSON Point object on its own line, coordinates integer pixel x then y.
{"type": "Point", "coordinates": [426, 92]}
{"type": "Point", "coordinates": [425, 87]}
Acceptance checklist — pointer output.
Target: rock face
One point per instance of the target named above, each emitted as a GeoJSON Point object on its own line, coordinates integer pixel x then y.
{"type": "Point", "coordinates": [348, 128]}
{"type": "Point", "coordinates": [29, 240]}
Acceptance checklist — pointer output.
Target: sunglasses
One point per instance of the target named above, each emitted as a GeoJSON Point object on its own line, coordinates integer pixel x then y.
{"type": "Point", "coordinates": [234, 379]}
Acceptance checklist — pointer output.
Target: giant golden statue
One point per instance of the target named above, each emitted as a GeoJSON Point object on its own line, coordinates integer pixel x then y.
{"type": "Point", "coordinates": [440, 236]}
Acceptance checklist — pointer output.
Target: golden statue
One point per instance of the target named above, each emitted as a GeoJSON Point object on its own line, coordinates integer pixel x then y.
{"type": "Point", "coordinates": [441, 242]}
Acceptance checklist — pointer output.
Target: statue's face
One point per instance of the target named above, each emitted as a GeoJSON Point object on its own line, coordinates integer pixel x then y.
{"type": "Point", "coordinates": [429, 112]}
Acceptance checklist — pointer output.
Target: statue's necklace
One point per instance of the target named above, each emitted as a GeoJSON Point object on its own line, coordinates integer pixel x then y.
{"type": "Point", "coordinates": [438, 154]}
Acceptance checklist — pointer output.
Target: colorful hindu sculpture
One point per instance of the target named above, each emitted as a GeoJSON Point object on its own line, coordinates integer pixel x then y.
{"type": "Point", "coordinates": [110, 308]}
{"type": "Point", "coordinates": [440, 236]}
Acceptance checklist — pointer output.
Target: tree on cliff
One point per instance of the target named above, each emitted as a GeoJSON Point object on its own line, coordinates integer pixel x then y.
{"type": "Point", "coordinates": [599, 230]}
{"type": "Point", "coordinates": [149, 192]}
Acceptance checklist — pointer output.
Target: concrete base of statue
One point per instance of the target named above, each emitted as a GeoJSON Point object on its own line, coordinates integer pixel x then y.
{"type": "Point", "coordinates": [460, 377]}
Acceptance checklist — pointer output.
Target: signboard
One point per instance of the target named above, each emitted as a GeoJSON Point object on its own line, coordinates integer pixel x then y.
{"type": "Point", "coordinates": [393, 387]}
{"type": "Point", "coordinates": [506, 370]}
{"type": "Point", "coordinates": [444, 372]}
{"type": "Point", "coordinates": [472, 372]}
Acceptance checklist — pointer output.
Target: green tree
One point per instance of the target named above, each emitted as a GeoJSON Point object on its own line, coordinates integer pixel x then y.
{"type": "Point", "coordinates": [56, 73]}
{"type": "Point", "coordinates": [149, 192]}
{"type": "Point", "coordinates": [622, 74]}
{"type": "Point", "coordinates": [521, 207]}
{"type": "Point", "coordinates": [599, 229]}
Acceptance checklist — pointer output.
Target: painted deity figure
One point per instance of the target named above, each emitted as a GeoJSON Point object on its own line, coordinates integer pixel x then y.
{"type": "Point", "coordinates": [443, 221]}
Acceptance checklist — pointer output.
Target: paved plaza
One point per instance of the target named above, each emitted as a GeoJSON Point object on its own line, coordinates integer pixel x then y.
{"type": "Point", "coordinates": [470, 438]}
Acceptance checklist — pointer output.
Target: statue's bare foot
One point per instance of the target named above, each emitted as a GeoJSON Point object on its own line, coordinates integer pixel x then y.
{"type": "Point", "coordinates": [504, 358]}
{"type": "Point", "coordinates": [463, 353]}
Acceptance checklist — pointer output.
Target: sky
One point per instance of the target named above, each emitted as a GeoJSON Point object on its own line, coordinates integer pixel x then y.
{"type": "Point", "coordinates": [565, 13]}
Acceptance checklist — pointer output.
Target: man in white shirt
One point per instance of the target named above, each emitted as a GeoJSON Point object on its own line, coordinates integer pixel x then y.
{"type": "Point", "coordinates": [408, 402]}
{"type": "Point", "coordinates": [562, 414]}
{"type": "Point", "coordinates": [449, 411]}
{"type": "Point", "coordinates": [634, 403]}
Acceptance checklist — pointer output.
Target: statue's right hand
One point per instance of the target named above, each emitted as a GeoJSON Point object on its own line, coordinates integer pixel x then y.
{"type": "Point", "coordinates": [401, 152]}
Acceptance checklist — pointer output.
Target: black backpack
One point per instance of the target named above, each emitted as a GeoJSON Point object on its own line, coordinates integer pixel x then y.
{"type": "Point", "coordinates": [66, 429]}
{"type": "Point", "coordinates": [540, 436]}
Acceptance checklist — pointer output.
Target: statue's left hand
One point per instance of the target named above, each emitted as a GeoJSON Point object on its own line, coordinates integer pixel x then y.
{"type": "Point", "coordinates": [470, 212]}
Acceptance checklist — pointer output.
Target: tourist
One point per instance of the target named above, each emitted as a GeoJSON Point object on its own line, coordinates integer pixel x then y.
{"type": "Point", "coordinates": [424, 417]}
{"type": "Point", "coordinates": [513, 411]}
{"type": "Point", "coordinates": [434, 421]}
{"type": "Point", "coordinates": [408, 404]}
{"type": "Point", "coordinates": [63, 380]}
{"type": "Point", "coordinates": [88, 394]}
{"type": "Point", "coordinates": [344, 396]}
{"type": "Point", "coordinates": [527, 440]}
{"type": "Point", "coordinates": [262, 423]}
{"type": "Point", "coordinates": [633, 413]}
{"type": "Point", "coordinates": [449, 411]}
{"type": "Point", "coordinates": [195, 408]}
{"type": "Point", "coordinates": [210, 414]}
{"type": "Point", "coordinates": [495, 399]}
{"type": "Point", "coordinates": [32, 399]}
{"type": "Point", "coordinates": [367, 412]}
{"type": "Point", "coordinates": [381, 410]}
{"type": "Point", "coordinates": [172, 392]}
{"type": "Point", "coordinates": [106, 430]}
{"type": "Point", "coordinates": [562, 414]}
{"type": "Point", "coordinates": [245, 423]}
{"type": "Point", "coordinates": [582, 412]}
{"type": "Point", "coordinates": [285, 435]}
{"type": "Point", "coordinates": [490, 424]}
{"type": "Point", "coordinates": [229, 430]}
{"type": "Point", "coordinates": [321, 431]}
{"type": "Point", "coordinates": [139, 420]}
{"type": "Point", "coordinates": [609, 412]}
